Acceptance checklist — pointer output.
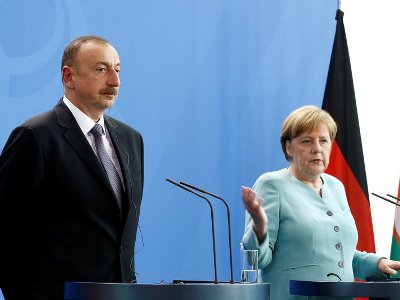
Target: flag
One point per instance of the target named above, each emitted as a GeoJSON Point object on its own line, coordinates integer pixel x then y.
{"type": "Point", "coordinates": [347, 159]}
{"type": "Point", "coordinates": [395, 251]}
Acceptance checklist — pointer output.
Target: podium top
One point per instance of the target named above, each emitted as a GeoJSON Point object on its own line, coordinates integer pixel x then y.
{"type": "Point", "coordinates": [186, 291]}
{"type": "Point", "coordinates": [389, 289]}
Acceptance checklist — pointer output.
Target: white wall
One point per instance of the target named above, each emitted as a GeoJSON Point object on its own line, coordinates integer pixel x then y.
{"type": "Point", "coordinates": [373, 36]}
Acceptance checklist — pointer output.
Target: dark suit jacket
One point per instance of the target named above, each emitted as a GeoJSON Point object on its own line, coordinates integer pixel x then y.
{"type": "Point", "coordinates": [59, 220]}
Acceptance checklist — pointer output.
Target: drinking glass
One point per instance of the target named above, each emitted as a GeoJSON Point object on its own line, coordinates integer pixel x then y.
{"type": "Point", "coordinates": [249, 265]}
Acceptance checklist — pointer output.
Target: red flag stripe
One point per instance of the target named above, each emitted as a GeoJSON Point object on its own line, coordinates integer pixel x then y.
{"type": "Point", "coordinates": [396, 235]}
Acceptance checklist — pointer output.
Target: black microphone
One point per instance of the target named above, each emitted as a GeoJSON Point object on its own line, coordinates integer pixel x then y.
{"type": "Point", "coordinates": [212, 223]}
{"type": "Point", "coordinates": [229, 220]}
{"type": "Point", "coordinates": [386, 199]}
{"type": "Point", "coordinates": [394, 197]}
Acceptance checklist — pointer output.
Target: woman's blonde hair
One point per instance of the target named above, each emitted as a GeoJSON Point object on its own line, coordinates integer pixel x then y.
{"type": "Point", "coordinates": [305, 119]}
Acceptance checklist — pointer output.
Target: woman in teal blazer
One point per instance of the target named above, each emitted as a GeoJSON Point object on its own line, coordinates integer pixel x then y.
{"type": "Point", "coordinates": [299, 219]}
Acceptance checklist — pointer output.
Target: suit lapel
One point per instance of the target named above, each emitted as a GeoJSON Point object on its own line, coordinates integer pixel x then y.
{"type": "Point", "coordinates": [75, 137]}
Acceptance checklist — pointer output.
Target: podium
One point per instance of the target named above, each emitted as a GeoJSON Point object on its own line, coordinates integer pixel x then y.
{"type": "Point", "coordinates": [388, 290]}
{"type": "Point", "coordinates": [176, 291]}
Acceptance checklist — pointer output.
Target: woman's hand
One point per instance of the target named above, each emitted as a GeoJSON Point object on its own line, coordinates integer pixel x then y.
{"type": "Point", "coordinates": [388, 266]}
{"type": "Point", "coordinates": [253, 204]}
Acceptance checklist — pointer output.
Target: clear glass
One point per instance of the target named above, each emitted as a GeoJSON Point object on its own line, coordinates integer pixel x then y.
{"type": "Point", "coordinates": [249, 266]}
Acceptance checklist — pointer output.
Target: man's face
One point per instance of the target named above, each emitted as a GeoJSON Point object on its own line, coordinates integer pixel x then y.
{"type": "Point", "coordinates": [95, 78]}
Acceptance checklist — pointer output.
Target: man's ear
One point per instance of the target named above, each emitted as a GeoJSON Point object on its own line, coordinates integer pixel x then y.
{"type": "Point", "coordinates": [66, 75]}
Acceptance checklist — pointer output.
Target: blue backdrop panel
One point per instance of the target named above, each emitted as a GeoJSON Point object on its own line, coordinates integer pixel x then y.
{"type": "Point", "coordinates": [208, 84]}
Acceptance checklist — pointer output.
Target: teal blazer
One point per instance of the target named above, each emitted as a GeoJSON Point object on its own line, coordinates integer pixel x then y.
{"type": "Point", "coordinates": [308, 236]}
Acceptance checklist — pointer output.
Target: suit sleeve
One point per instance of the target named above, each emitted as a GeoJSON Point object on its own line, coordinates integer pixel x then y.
{"type": "Point", "coordinates": [269, 192]}
{"type": "Point", "coordinates": [21, 170]}
{"type": "Point", "coordinates": [366, 265]}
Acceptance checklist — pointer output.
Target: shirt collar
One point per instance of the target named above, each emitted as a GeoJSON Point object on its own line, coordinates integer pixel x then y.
{"type": "Point", "coordinates": [83, 120]}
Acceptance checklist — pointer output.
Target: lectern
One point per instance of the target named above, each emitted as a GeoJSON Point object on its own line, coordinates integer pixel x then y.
{"type": "Point", "coordinates": [385, 290]}
{"type": "Point", "coordinates": [127, 291]}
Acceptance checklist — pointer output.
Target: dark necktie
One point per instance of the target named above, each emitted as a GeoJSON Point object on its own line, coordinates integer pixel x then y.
{"type": "Point", "coordinates": [107, 164]}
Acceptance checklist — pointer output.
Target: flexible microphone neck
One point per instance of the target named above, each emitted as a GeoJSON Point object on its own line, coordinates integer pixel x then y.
{"type": "Point", "coordinates": [394, 197]}
{"type": "Point", "coordinates": [386, 199]}
{"type": "Point", "coordinates": [229, 221]}
{"type": "Point", "coordinates": [212, 223]}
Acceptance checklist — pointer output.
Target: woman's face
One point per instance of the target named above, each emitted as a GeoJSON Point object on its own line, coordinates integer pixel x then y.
{"type": "Point", "coordinates": [309, 153]}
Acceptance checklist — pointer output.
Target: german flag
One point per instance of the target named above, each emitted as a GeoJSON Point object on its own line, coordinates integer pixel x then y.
{"type": "Point", "coordinates": [347, 159]}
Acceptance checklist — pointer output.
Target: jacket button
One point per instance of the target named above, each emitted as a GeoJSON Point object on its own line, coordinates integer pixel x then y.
{"type": "Point", "coordinates": [336, 228]}
{"type": "Point", "coordinates": [329, 213]}
{"type": "Point", "coordinates": [341, 264]}
{"type": "Point", "coordinates": [338, 246]}
{"type": "Point", "coordinates": [121, 250]}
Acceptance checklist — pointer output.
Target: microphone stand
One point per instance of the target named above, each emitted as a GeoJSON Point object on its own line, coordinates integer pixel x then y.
{"type": "Point", "coordinates": [212, 223]}
{"type": "Point", "coordinates": [229, 221]}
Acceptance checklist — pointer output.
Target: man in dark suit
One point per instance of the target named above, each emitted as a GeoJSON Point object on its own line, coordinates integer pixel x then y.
{"type": "Point", "coordinates": [64, 216]}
